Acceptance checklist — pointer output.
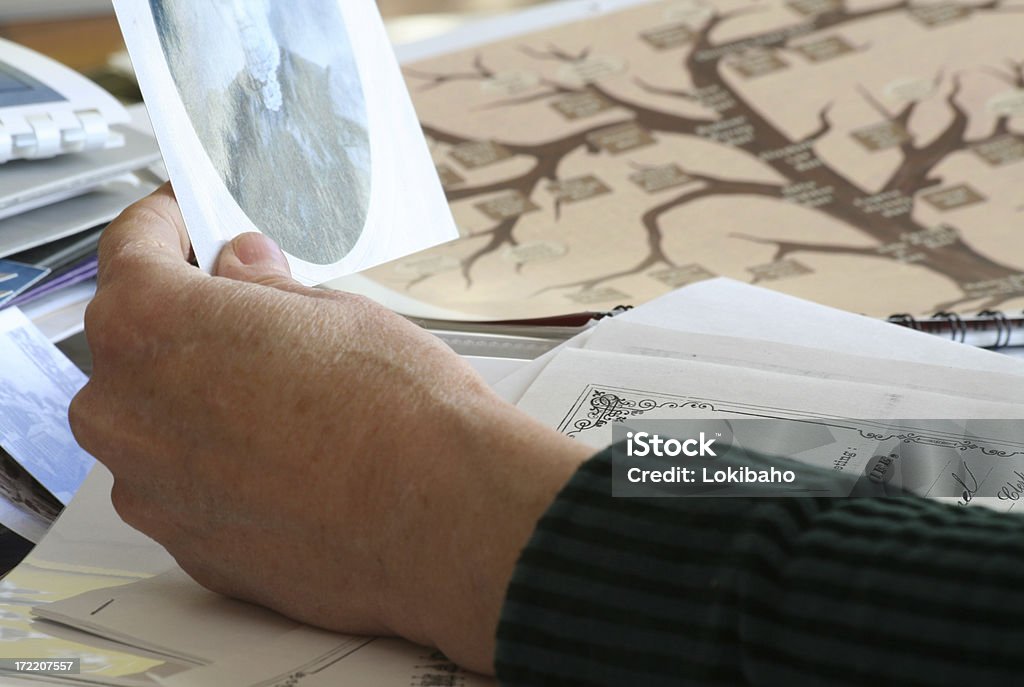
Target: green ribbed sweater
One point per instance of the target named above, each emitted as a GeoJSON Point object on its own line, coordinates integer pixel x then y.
{"type": "Point", "coordinates": [740, 591]}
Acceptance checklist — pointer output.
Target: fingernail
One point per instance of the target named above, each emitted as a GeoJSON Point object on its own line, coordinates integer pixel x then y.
{"type": "Point", "coordinates": [257, 249]}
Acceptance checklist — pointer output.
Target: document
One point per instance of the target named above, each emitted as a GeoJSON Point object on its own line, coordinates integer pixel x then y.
{"type": "Point", "coordinates": [370, 662]}
{"type": "Point", "coordinates": [583, 393]}
{"type": "Point", "coordinates": [836, 151]}
{"type": "Point", "coordinates": [615, 336]}
{"type": "Point", "coordinates": [291, 120]}
{"type": "Point", "coordinates": [728, 308]}
{"type": "Point", "coordinates": [196, 626]}
{"type": "Point", "coordinates": [731, 308]}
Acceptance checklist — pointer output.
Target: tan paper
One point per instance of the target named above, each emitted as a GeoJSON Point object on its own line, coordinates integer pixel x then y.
{"type": "Point", "coordinates": [864, 155]}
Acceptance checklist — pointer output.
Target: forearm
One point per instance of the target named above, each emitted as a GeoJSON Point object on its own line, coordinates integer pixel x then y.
{"type": "Point", "coordinates": [763, 592]}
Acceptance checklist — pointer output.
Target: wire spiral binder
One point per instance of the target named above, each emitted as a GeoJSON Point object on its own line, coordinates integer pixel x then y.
{"type": "Point", "coordinates": [988, 329]}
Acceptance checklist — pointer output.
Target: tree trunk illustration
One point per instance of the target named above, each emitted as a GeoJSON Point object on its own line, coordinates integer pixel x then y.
{"type": "Point", "coordinates": [733, 121]}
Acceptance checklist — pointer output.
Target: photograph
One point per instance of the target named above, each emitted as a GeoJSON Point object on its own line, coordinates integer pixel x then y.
{"type": "Point", "coordinates": [36, 388]}
{"type": "Point", "coordinates": [273, 93]}
{"type": "Point", "coordinates": [25, 506]}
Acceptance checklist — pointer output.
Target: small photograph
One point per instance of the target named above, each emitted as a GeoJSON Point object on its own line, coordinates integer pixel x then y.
{"type": "Point", "coordinates": [37, 384]}
{"type": "Point", "coordinates": [273, 93]}
{"type": "Point", "coordinates": [19, 488]}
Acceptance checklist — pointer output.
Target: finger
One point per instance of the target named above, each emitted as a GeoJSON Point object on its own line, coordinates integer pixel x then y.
{"type": "Point", "coordinates": [148, 233]}
{"type": "Point", "coordinates": [255, 258]}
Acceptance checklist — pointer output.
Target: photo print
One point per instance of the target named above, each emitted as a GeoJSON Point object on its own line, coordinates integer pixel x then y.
{"type": "Point", "coordinates": [290, 119]}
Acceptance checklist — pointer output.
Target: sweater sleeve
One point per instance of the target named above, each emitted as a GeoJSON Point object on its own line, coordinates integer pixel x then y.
{"type": "Point", "coordinates": [742, 591]}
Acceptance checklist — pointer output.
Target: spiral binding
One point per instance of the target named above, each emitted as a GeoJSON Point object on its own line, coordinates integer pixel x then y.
{"type": "Point", "coordinates": [1003, 326]}
{"type": "Point", "coordinates": [956, 324]}
{"type": "Point", "coordinates": [959, 328]}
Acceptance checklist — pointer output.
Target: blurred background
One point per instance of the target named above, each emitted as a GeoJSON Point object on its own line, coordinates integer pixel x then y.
{"type": "Point", "coordinates": [84, 35]}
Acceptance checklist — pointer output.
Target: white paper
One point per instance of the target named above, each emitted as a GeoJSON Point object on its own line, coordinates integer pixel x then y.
{"type": "Point", "coordinates": [583, 393]}
{"type": "Point", "coordinates": [27, 185]}
{"type": "Point", "coordinates": [375, 662]}
{"type": "Point", "coordinates": [493, 370]}
{"type": "Point", "coordinates": [625, 337]}
{"type": "Point", "coordinates": [59, 220]}
{"type": "Point", "coordinates": [512, 387]}
{"type": "Point", "coordinates": [724, 307]}
{"type": "Point", "coordinates": [730, 308]}
{"type": "Point", "coordinates": [195, 625]}
{"type": "Point", "coordinates": [291, 120]}
{"type": "Point", "coordinates": [560, 393]}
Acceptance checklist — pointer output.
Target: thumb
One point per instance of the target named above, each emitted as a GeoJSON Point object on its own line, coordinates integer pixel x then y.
{"type": "Point", "coordinates": [255, 258]}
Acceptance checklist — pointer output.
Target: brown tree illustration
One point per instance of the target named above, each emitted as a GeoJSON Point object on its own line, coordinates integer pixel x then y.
{"type": "Point", "coordinates": [942, 250]}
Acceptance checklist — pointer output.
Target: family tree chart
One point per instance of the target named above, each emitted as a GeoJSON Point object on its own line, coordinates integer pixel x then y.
{"type": "Point", "coordinates": [866, 155]}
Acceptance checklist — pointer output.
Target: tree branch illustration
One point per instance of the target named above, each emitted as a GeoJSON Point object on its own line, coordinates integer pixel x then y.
{"type": "Point", "coordinates": [703, 85]}
{"type": "Point", "coordinates": [651, 220]}
{"type": "Point", "coordinates": [913, 173]}
{"type": "Point", "coordinates": [479, 73]}
{"type": "Point", "coordinates": [957, 261]}
{"type": "Point", "coordinates": [784, 249]}
{"type": "Point", "coordinates": [547, 156]}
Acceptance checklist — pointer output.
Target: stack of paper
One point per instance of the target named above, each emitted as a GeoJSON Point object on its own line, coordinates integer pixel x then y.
{"type": "Point", "coordinates": [722, 350]}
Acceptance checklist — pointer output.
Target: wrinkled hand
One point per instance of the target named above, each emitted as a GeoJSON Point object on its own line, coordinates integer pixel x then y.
{"type": "Point", "coordinates": [303, 449]}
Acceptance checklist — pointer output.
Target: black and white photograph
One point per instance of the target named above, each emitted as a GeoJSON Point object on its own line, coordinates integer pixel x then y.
{"type": "Point", "coordinates": [273, 92]}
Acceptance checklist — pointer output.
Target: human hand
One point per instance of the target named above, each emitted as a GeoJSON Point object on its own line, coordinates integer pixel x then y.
{"type": "Point", "coordinates": [306, 450]}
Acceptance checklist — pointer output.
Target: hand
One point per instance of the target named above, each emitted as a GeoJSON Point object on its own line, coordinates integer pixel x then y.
{"type": "Point", "coordinates": [303, 449]}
